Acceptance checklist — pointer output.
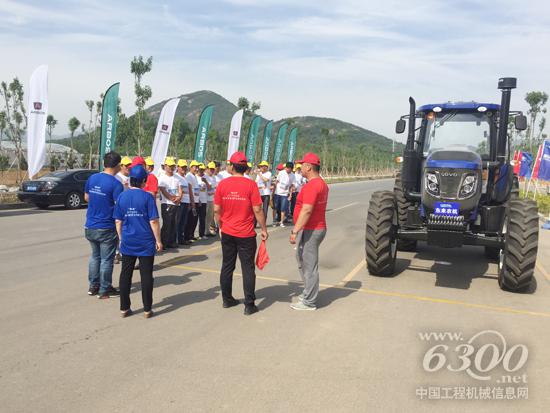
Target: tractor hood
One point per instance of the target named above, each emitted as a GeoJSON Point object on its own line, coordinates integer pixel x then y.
{"type": "Point", "coordinates": [456, 157]}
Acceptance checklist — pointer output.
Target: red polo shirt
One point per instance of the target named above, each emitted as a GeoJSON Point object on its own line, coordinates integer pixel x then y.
{"type": "Point", "coordinates": [152, 184]}
{"type": "Point", "coordinates": [236, 196]}
{"type": "Point", "coordinates": [315, 193]}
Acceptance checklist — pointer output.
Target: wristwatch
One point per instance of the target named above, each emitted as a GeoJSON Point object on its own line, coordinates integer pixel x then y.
{"type": "Point", "coordinates": [293, 233]}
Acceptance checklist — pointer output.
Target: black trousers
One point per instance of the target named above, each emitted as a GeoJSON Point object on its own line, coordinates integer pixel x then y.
{"type": "Point", "coordinates": [169, 224]}
{"type": "Point", "coordinates": [191, 223]}
{"type": "Point", "coordinates": [245, 248]}
{"type": "Point", "coordinates": [125, 282]}
{"type": "Point", "coordinates": [293, 203]}
{"type": "Point", "coordinates": [202, 219]}
{"type": "Point", "coordinates": [265, 204]}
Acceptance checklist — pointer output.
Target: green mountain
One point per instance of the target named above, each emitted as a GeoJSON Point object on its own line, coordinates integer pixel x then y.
{"type": "Point", "coordinates": [340, 144]}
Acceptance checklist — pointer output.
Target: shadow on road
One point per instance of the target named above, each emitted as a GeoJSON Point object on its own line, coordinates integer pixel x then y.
{"type": "Point", "coordinates": [181, 260]}
{"type": "Point", "coordinates": [278, 293]}
{"type": "Point", "coordinates": [329, 295]}
{"type": "Point", "coordinates": [163, 280]}
{"type": "Point", "coordinates": [175, 302]}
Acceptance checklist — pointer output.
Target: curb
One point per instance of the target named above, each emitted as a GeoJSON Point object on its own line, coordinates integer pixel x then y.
{"type": "Point", "coordinates": [18, 205]}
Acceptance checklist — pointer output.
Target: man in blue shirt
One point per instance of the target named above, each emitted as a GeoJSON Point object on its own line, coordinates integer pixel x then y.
{"type": "Point", "coordinates": [137, 224]}
{"type": "Point", "coordinates": [101, 191]}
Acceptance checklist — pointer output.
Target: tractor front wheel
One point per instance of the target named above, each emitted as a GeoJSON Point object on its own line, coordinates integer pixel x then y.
{"type": "Point", "coordinates": [402, 211]}
{"type": "Point", "coordinates": [381, 242]}
{"type": "Point", "coordinates": [519, 256]}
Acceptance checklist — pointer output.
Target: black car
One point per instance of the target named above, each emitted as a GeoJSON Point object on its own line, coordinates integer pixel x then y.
{"type": "Point", "coordinates": [56, 188]}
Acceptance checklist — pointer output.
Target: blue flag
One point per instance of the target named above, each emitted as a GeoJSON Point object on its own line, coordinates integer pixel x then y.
{"type": "Point", "coordinates": [544, 169]}
{"type": "Point", "coordinates": [526, 165]}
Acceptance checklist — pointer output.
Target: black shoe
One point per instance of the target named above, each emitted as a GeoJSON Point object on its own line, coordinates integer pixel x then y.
{"type": "Point", "coordinates": [111, 292]}
{"type": "Point", "coordinates": [230, 303]}
{"type": "Point", "coordinates": [172, 246]}
{"type": "Point", "coordinates": [250, 309]}
{"type": "Point", "coordinates": [93, 290]}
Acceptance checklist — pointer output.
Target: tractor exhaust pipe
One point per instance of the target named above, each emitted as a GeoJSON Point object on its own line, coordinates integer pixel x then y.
{"type": "Point", "coordinates": [506, 84]}
{"type": "Point", "coordinates": [411, 162]}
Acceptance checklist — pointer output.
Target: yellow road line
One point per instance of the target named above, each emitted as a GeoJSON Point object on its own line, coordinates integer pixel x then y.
{"type": "Point", "coordinates": [390, 294]}
{"type": "Point", "coordinates": [342, 207]}
{"type": "Point", "coordinates": [352, 273]}
{"type": "Point", "coordinates": [542, 271]}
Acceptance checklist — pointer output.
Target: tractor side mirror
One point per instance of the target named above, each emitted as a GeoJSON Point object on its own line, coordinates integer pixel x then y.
{"type": "Point", "coordinates": [520, 122]}
{"type": "Point", "coordinates": [400, 126]}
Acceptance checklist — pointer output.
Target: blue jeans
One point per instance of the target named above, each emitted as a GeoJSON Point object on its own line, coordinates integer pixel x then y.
{"type": "Point", "coordinates": [100, 267]}
{"type": "Point", "coordinates": [281, 205]}
{"type": "Point", "coordinates": [182, 221]}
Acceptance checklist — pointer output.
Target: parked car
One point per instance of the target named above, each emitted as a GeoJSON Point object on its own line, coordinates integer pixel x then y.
{"type": "Point", "coordinates": [56, 188]}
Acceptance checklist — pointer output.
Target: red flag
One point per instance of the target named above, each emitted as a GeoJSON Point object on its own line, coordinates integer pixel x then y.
{"type": "Point", "coordinates": [517, 162]}
{"type": "Point", "coordinates": [536, 168]}
{"type": "Point", "coordinates": [262, 258]}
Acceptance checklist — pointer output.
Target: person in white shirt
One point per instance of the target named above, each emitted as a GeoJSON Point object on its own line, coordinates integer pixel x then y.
{"type": "Point", "coordinates": [123, 176]}
{"type": "Point", "coordinates": [263, 180]}
{"type": "Point", "coordinates": [193, 218]}
{"type": "Point", "coordinates": [211, 178]}
{"type": "Point", "coordinates": [284, 187]}
{"type": "Point", "coordinates": [185, 205]}
{"type": "Point", "coordinates": [299, 182]}
{"type": "Point", "coordinates": [226, 173]}
{"type": "Point", "coordinates": [204, 187]}
{"type": "Point", "coordinates": [248, 171]}
{"type": "Point", "coordinates": [171, 195]}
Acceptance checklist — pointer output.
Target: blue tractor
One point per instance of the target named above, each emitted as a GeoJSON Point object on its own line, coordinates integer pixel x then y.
{"type": "Point", "coordinates": [457, 187]}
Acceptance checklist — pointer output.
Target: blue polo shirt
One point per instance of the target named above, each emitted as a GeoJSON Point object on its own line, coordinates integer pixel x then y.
{"type": "Point", "coordinates": [136, 208]}
{"type": "Point", "coordinates": [103, 190]}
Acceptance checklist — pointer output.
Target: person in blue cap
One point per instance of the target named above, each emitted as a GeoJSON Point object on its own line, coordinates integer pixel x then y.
{"type": "Point", "coordinates": [137, 224]}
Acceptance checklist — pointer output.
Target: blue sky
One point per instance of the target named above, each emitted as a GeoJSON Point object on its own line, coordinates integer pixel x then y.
{"type": "Point", "coordinates": [352, 59]}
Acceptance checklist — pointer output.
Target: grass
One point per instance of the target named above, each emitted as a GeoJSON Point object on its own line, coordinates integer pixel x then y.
{"type": "Point", "coordinates": [543, 201]}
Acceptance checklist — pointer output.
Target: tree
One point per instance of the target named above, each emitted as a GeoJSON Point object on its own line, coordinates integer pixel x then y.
{"type": "Point", "coordinates": [74, 123]}
{"type": "Point", "coordinates": [536, 101]}
{"type": "Point", "coordinates": [51, 122]}
{"type": "Point", "coordinates": [16, 118]}
{"type": "Point", "coordinates": [138, 67]}
{"type": "Point", "coordinates": [90, 105]}
{"type": "Point", "coordinates": [243, 103]}
{"type": "Point", "coordinates": [3, 126]}
{"type": "Point", "coordinates": [255, 106]}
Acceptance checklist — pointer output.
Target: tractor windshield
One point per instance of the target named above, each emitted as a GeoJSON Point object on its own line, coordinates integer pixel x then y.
{"type": "Point", "coordinates": [455, 128]}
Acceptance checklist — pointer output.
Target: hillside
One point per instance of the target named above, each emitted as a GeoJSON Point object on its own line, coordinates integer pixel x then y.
{"type": "Point", "coordinates": [338, 141]}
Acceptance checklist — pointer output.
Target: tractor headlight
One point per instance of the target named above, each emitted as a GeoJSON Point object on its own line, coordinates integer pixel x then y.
{"type": "Point", "coordinates": [468, 186]}
{"type": "Point", "coordinates": [432, 184]}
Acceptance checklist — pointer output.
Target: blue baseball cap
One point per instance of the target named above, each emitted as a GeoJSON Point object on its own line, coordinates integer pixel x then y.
{"type": "Point", "coordinates": [138, 172]}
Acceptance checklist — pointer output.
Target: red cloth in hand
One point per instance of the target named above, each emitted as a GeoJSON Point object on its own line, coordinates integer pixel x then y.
{"type": "Point", "coordinates": [262, 258]}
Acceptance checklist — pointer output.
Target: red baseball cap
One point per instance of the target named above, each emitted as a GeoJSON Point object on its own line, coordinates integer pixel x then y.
{"type": "Point", "coordinates": [238, 157]}
{"type": "Point", "coordinates": [280, 167]}
{"type": "Point", "coordinates": [138, 160]}
{"type": "Point", "coordinates": [311, 158]}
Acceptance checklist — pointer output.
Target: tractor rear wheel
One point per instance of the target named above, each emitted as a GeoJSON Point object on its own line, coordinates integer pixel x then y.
{"type": "Point", "coordinates": [380, 242]}
{"type": "Point", "coordinates": [402, 211]}
{"type": "Point", "coordinates": [519, 256]}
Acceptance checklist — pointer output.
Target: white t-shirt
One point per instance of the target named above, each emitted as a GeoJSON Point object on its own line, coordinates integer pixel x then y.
{"type": "Point", "coordinates": [192, 179]}
{"type": "Point", "coordinates": [300, 181]}
{"type": "Point", "coordinates": [264, 187]}
{"type": "Point", "coordinates": [123, 179]}
{"type": "Point", "coordinates": [185, 188]}
{"type": "Point", "coordinates": [224, 174]}
{"type": "Point", "coordinates": [203, 188]}
{"type": "Point", "coordinates": [284, 182]}
{"type": "Point", "coordinates": [213, 184]}
{"type": "Point", "coordinates": [171, 185]}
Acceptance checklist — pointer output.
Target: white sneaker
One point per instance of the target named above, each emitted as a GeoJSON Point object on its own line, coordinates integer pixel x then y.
{"type": "Point", "coordinates": [282, 225]}
{"type": "Point", "coordinates": [300, 306]}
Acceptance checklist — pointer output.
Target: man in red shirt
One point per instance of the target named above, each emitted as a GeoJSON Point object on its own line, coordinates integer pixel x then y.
{"type": "Point", "coordinates": [236, 202]}
{"type": "Point", "coordinates": [151, 185]}
{"type": "Point", "coordinates": [310, 228]}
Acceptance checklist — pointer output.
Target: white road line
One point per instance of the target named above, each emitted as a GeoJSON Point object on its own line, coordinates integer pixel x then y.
{"type": "Point", "coordinates": [342, 207]}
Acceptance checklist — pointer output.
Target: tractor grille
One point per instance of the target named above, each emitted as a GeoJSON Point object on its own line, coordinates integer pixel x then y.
{"type": "Point", "coordinates": [449, 184]}
{"type": "Point", "coordinates": [447, 223]}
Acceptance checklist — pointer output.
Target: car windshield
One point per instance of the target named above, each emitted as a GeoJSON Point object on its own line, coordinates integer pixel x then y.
{"type": "Point", "coordinates": [54, 176]}
{"type": "Point", "coordinates": [455, 128]}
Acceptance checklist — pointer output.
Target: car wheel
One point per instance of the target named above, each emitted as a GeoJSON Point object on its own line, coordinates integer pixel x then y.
{"type": "Point", "coordinates": [41, 205]}
{"type": "Point", "coordinates": [73, 200]}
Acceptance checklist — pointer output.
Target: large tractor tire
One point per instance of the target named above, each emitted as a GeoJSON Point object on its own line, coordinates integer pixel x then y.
{"type": "Point", "coordinates": [519, 256]}
{"type": "Point", "coordinates": [380, 242]}
{"type": "Point", "coordinates": [402, 208]}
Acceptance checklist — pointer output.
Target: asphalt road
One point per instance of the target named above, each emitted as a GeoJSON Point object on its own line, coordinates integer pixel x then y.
{"type": "Point", "coordinates": [62, 350]}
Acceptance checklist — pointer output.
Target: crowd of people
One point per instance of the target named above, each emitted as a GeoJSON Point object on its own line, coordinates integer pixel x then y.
{"type": "Point", "coordinates": [229, 201]}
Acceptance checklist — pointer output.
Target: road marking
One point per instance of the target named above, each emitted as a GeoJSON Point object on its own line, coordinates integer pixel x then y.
{"type": "Point", "coordinates": [352, 273]}
{"type": "Point", "coordinates": [389, 294]}
{"type": "Point", "coordinates": [342, 207]}
{"type": "Point", "coordinates": [543, 271]}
